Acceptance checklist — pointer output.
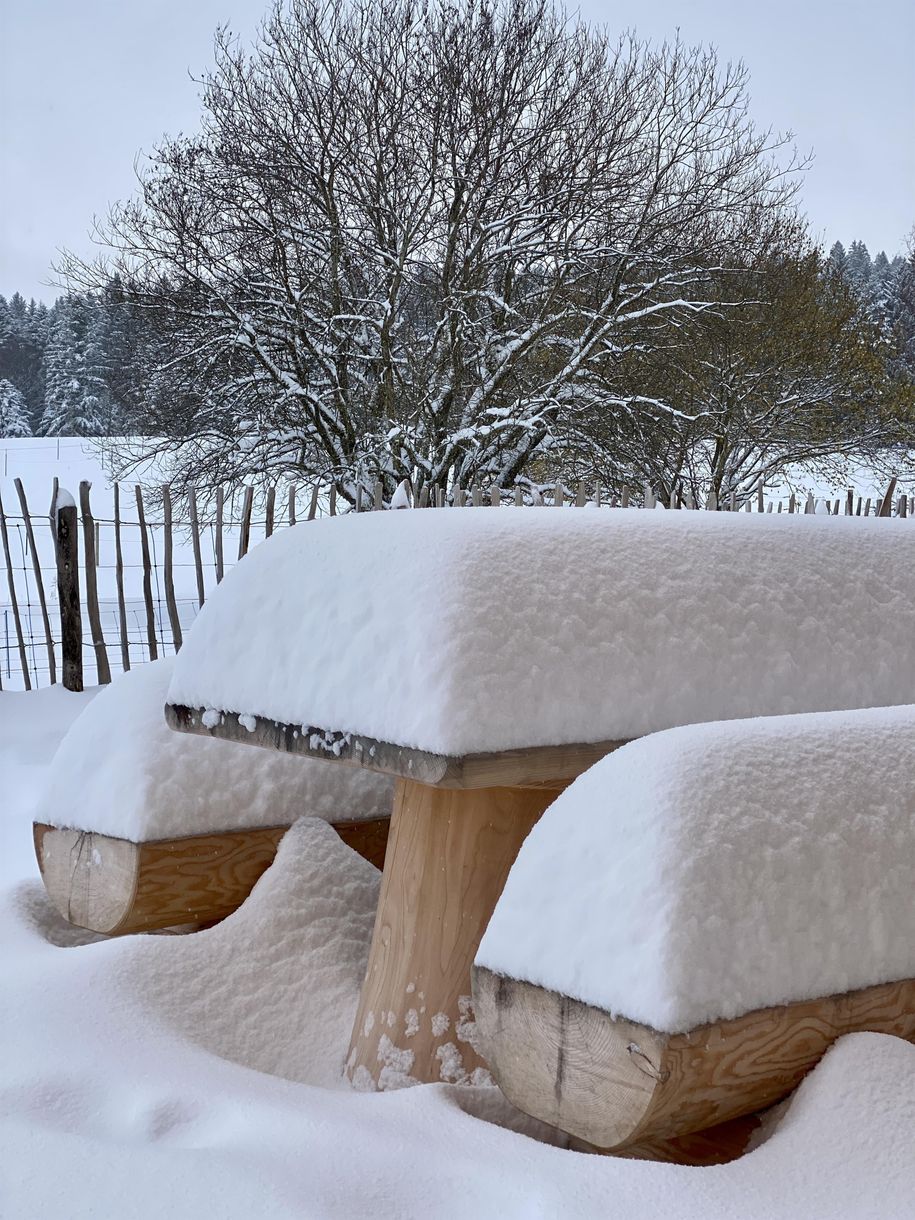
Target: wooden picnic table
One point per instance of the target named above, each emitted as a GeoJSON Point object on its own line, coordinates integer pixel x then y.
{"type": "Point", "coordinates": [456, 828]}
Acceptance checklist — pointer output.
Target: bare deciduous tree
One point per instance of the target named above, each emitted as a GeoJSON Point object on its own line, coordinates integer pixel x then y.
{"type": "Point", "coordinates": [792, 378]}
{"type": "Point", "coordinates": [421, 240]}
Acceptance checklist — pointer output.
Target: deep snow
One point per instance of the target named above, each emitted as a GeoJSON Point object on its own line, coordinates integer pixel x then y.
{"type": "Point", "coordinates": [705, 871]}
{"type": "Point", "coordinates": [170, 1076]}
{"type": "Point", "coordinates": [122, 771]}
{"type": "Point", "coordinates": [457, 631]}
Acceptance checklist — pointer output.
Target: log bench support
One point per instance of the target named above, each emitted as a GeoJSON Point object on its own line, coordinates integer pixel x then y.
{"type": "Point", "coordinates": [116, 886]}
{"type": "Point", "coordinates": [625, 1087]}
{"type": "Point", "coordinates": [450, 854]}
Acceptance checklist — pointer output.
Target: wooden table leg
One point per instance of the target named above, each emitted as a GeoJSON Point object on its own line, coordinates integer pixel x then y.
{"type": "Point", "coordinates": [449, 853]}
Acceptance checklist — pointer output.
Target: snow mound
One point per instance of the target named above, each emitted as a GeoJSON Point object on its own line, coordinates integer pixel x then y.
{"type": "Point", "coordinates": [710, 870]}
{"type": "Point", "coordinates": [275, 986]}
{"type": "Point", "coordinates": [121, 771]}
{"type": "Point", "coordinates": [481, 630]}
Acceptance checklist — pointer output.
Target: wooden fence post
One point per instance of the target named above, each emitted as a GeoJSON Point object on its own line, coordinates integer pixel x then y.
{"type": "Point", "coordinates": [269, 511]}
{"type": "Point", "coordinates": [195, 541]}
{"type": "Point", "coordinates": [169, 569]}
{"type": "Point", "coordinates": [103, 669]}
{"type": "Point", "coordinates": [20, 637]}
{"type": "Point", "coordinates": [36, 568]}
{"type": "Point", "coordinates": [147, 580]}
{"type": "Point", "coordinates": [245, 536]}
{"type": "Point", "coordinates": [218, 545]}
{"type": "Point", "coordinates": [119, 579]}
{"type": "Point", "coordinates": [71, 623]}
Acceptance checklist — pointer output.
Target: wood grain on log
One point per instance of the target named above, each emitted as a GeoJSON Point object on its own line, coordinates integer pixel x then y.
{"type": "Point", "coordinates": [616, 1083]}
{"type": "Point", "coordinates": [116, 886]}
{"type": "Point", "coordinates": [538, 766]}
{"type": "Point", "coordinates": [450, 853]}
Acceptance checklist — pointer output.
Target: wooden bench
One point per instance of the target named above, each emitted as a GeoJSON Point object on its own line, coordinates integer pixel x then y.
{"type": "Point", "coordinates": [139, 829]}
{"type": "Point", "coordinates": [708, 870]}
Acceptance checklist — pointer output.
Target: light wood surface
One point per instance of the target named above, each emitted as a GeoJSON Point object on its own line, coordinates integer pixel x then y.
{"type": "Point", "coordinates": [618, 1084]}
{"type": "Point", "coordinates": [449, 855]}
{"type": "Point", "coordinates": [538, 766]}
{"type": "Point", "coordinates": [117, 886]}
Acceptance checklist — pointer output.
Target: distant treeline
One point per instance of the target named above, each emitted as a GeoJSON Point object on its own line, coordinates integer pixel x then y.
{"type": "Point", "coordinates": [87, 366]}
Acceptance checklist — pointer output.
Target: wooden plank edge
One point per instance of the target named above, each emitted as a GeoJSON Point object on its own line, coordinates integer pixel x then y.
{"type": "Point", "coordinates": [537, 766]}
{"type": "Point", "coordinates": [686, 1082]}
{"type": "Point", "coordinates": [150, 876]}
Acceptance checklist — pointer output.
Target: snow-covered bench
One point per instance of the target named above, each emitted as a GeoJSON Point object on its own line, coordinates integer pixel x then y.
{"type": "Point", "coordinates": [487, 657]}
{"type": "Point", "coordinates": [139, 828]}
{"type": "Point", "coordinates": [697, 918]}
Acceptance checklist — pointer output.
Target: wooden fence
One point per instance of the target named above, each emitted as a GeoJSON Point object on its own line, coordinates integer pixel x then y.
{"type": "Point", "coordinates": [96, 589]}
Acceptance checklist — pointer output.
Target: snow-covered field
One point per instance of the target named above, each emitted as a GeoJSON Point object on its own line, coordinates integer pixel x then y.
{"type": "Point", "coordinates": [37, 462]}
{"type": "Point", "coordinates": [202, 1075]}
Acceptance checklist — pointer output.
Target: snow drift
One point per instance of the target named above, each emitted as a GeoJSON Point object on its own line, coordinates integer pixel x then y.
{"type": "Point", "coordinates": [482, 630]}
{"type": "Point", "coordinates": [121, 771]}
{"type": "Point", "coordinates": [710, 870]}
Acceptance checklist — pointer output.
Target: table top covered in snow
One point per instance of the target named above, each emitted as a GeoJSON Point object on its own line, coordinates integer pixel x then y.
{"type": "Point", "coordinates": [479, 631]}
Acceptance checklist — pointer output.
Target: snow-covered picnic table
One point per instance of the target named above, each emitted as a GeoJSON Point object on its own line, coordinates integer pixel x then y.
{"type": "Point", "coordinates": [488, 657]}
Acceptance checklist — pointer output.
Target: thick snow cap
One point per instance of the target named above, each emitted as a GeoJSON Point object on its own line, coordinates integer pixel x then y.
{"type": "Point", "coordinates": [121, 771]}
{"type": "Point", "coordinates": [710, 870]}
{"type": "Point", "coordinates": [458, 631]}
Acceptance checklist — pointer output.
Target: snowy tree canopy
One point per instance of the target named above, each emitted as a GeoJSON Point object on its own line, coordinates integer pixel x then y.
{"type": "Point", "coordinates": [14, 416]}
{"type": "Point", "coordinates": [412, 242]}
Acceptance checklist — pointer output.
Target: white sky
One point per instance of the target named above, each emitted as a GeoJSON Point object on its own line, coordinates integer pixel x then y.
{"type": "Point", "coordinates": [86, 84]}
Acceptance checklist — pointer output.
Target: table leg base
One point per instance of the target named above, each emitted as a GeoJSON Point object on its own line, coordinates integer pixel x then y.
{"type": "Point", "coordinates": [449, 853]}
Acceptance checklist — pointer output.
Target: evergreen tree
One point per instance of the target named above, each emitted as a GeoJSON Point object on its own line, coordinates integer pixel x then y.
{"type": "Point", "coordinates": [96, 367]}
{"type": "Point", "coordinates": [23, 334]}
{"type": "Point", "coordinates": [70, 407]}
{"type": "Point", "coordinates": [14, 414]}
{"type": "Point", "coordinates": [838, 259]}
{"type": "Point", "coordinates": [858, 268]}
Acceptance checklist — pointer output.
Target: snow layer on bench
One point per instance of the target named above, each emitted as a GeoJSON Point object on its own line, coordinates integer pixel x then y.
{"type": "Point", "coordinates": [121, 771]}
{"type": "Point", "coordinates": [707, 871]}
{"type": "Point", "coordinates": [463, 631]}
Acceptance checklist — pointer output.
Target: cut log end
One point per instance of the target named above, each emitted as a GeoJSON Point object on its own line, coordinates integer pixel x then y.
{"type": "Point", "coordinates": [621, 1086]}
{"type": "Point", "coordinates": [115, 886]}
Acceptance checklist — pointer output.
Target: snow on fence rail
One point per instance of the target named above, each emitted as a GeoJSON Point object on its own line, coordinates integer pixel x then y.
{"type": "Point", "coordinates": [90, 593]}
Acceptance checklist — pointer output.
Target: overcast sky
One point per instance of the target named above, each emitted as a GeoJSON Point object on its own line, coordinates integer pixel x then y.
{"type": "Point", "coordinates": [86, 84]}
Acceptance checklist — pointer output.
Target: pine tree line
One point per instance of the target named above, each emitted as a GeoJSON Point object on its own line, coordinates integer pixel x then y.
{"type": "Point", "coordinates": [87, 366]}
{"type": "Point", "coordinates": [888, 289]}
{"type": "Point", "coordinates": [73, 369]}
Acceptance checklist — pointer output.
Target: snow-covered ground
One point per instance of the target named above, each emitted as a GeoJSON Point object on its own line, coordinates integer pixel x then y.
{"type": "Point", "coordinates": [37, 461]}
{"type": "Point", "coordinates": [184, 1076]}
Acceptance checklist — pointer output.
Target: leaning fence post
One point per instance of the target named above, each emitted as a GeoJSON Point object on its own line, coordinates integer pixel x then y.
{"type": "Point", "coordinates": [39, 582]}
{"type": "Point", "coordinates": [71, 623]}
{"type": "Point", "coordinates": [20, 637]}
{"type": "Point", "coordinates": [119, 580]}
{"type": "Point", "coordinates": [169, 570]}
{"type": "Point", "coordinates": [103, 669]}
{"type": "Point", "coordinates": [147, 579]}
